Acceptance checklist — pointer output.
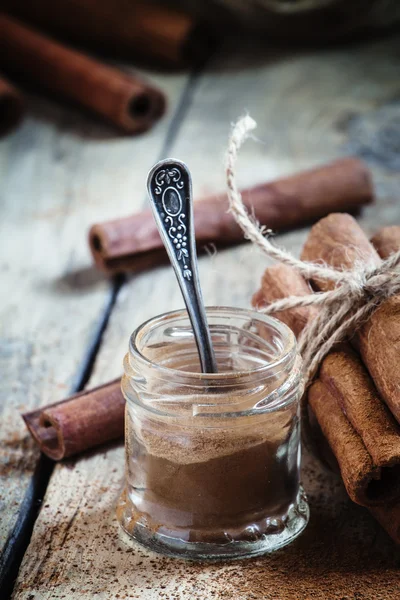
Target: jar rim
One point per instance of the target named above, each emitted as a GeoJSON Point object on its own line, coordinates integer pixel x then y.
{"type": "Point", "coordinates": [288, 353]}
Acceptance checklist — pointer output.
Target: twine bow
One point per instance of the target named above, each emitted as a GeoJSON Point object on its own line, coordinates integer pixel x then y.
{"type": "Point", "coordinates": [357, 293]}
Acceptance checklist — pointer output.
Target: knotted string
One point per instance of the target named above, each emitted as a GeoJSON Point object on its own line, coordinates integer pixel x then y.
{"type": "Point", "coordinates": [357, 292]}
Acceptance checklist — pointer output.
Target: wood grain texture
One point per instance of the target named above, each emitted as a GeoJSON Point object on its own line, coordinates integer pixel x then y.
{"type": "Point", "coordinates": [58, 174]}
{"type": "Point", "coordinates": [302, 104]}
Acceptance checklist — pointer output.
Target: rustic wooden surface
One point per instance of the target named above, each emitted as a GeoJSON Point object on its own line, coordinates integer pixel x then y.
{"type": "Point", "coordinates": [310, 107]}
{"type": "Point", "coordinates": [58, 174]}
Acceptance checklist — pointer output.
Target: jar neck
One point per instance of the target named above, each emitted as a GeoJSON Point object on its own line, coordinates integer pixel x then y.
{"type": "Point", "coordinates": [258, 365]}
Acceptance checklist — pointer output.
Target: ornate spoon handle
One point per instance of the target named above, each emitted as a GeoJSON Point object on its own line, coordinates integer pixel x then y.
{"type": "Point", "coordinates": [170, 189]}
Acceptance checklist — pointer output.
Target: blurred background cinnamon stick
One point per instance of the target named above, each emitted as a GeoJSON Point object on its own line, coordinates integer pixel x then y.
{"type": "Point", "coordinates": [130, 29]}
{"type": "Point", "coordinates": [133, 243]}
{"type": "Point", "coordinates": [127, 102]}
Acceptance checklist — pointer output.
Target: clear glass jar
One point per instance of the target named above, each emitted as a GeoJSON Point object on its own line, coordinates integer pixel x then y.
{"type": "Point", "coordinates": [212, 461]}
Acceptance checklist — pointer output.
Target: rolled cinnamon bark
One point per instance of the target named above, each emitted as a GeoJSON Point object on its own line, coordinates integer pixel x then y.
{"type": "Point", "coordinates": [11, 107]}
{"type": "Point", "coordinates": [356, 467]}
{"type": "Point", "coordinates": [129, 28]}
{"type": "Point", "coordinates": [346, 377]}
{"type": "Point", "coordinates": [371, 473]}
{"type": "Point", "coordinates": [133, 243]}
{"type": "Point", "coordinates": [339, 241]}
{"type": "Point", "coordinates": [281, 281]}
{"type": "Point", "coordinates": [387, 240]}
{"type": "Point", "coordinates": [121, 99]}
{"type": "Point", "coordinates": [80, 422]}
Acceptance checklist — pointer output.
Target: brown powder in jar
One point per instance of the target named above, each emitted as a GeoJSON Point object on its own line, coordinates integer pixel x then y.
{"type": "Point", "coordinates": [210, 464]}
{"type": "Point", "coordinates": [212, 484]}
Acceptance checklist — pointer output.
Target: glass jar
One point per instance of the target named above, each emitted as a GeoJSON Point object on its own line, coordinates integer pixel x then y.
{"type": "Point", "coordinates": [213, 460]}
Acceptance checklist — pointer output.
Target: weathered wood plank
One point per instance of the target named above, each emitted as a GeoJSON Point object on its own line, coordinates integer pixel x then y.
{"type": "Point", "coordinates": [304, 105]}
{"type": "Point", "coordinates": [59, 173]}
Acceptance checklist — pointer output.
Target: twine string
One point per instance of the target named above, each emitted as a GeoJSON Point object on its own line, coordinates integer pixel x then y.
{"type": "Point", "coordinates": [357, 292]}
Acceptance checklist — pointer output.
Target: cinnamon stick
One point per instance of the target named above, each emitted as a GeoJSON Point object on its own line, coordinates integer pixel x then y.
{"type": "Point", "coordinates": [281, 281]}
{"type": "Point", "coordinates": [133, 243]}
{"type": "Point", "coordinates": [387, 240]}
{"type": "Point", "coordinates": [80, 422]}
{"type": "Point", "coordinates": [128, 28]}
{"type": "Point", "coordinates": [372, 473]}
{"type": "Point", "coordinates": [121, 99]}
{"type": "Point", "coordinates": [11, 107]}
{"type": "Point", "coordinates": [356, 467]}
{"type": "Point", "coordinates": [339, 241]}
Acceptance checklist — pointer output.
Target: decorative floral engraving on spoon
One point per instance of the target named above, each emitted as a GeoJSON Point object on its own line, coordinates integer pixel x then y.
{"type": "Point", "coordinates": [173, 216]}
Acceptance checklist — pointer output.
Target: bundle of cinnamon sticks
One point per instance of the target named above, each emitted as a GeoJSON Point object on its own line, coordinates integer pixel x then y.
{"type": "Point", "coordinates": [355, 399]}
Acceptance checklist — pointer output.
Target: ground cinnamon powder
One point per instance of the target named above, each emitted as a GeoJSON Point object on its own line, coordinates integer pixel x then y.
{"type": "Point", "coordinates": [213, 485]}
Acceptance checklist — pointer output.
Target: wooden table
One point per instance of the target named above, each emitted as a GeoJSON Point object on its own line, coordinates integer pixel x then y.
{"type": "Point", "coordinates": [64, 326]}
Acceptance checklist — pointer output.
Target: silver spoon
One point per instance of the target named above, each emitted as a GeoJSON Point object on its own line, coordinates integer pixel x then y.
{"type": "Point", "coordinates": [170, 189]}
